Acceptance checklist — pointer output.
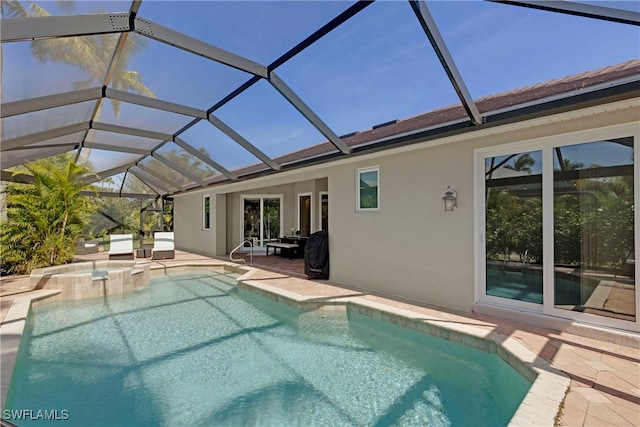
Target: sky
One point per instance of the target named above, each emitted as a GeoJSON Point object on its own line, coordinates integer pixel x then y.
{"type": "Point", "coordinates": [377, 67]}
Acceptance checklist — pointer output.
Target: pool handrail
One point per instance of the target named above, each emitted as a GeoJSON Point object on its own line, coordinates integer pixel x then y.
{"type": "Point", "coordinates": [240, 246]}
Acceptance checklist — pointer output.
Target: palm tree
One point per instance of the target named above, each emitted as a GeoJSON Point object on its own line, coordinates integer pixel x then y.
{"type": "Point", "coordinates": [46, 218]}
{"type": "Point", "coordinates": [89, 53]}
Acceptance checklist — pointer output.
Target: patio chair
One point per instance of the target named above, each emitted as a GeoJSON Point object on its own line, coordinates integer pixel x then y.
{"type": "Point", "coordinates": [84, 247]}
{"type": "Point", "coordinates": [121, 246]}
{"type": "Point", "coordinates": [163, 245]}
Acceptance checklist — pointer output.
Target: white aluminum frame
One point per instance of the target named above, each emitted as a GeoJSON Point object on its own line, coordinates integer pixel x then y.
{"type": "Point", "coordinates": [546, 145]}
{"type": "Point", "coordinates": [261, 197]}
{"type": "Point", "coordinates": [360, 171]}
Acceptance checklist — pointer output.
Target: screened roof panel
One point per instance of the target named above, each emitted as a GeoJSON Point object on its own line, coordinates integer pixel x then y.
{"type": "Point", "coordinates": [54, 65]}
{"type": "Point", "coordinates": [101, 160]}
{"type": "Point", "coordinates": [14, 158]}
{"type": "Point", "coordinates": [44, 120]}
{"type": "Point", "coordinates": [205, 136]}
{"type": "Point", "coordinates": [367, 72]}
{"type": "Point", "coordinates": [119, 140]}
{"type": "Point", "coordinates": [69, 140]}
{"type": "Point", "coordinates": [133, 184]}
{"type": "Point", "coordinates": [176, 154]}
{"type": "Point", "coordinates": [172, 176]}
{"type": "Point", "coordinates": [139, 117]}
{"type": "Point", "coordinates": [520, 53]}
{"type": "Point", "coordinates": [151, 181]}
{"type": "Point", "coordinates": [112, 183]}
{"type": "Point", "coordinates": [252, 29]}
{"type": "Point", "coordinates": [268, 121]}
{"type": "Point", "coordinates": [179, 76]}
{"type": "Point", "coordinates": [341, 68]}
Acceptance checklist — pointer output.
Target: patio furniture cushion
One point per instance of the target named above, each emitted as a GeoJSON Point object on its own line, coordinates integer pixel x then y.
{"type": "Point", "coordinates": [163, 245]}
{"type": "Point", "coordinates": [121, 246]}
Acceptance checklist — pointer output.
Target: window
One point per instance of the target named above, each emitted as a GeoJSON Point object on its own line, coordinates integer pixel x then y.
{"type": "Point", "coordinates": [368, 194]}
{"type": "Point", "coordinates": [206, 212]}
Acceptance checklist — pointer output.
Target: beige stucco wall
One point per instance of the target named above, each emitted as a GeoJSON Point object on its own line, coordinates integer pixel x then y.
{"type": "Point", "coordinates": [411, 247]}
{"type": "Point", "coordinates": [190, 234]}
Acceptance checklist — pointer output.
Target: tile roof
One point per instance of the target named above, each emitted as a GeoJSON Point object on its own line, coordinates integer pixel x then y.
{"type": "Point", "coordinates": [441, 116]}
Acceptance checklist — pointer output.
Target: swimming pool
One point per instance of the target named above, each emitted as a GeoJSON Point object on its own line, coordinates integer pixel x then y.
{"type": "Point", "coordinates": [192, 349]}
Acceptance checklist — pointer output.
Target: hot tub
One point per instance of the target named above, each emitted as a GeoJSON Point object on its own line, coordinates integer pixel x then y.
{"type": "Point", "coordinates": [92, 279]}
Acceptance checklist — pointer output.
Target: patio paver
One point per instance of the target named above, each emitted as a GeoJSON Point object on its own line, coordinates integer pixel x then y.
{"type": "Point", "coordinates": [605, 373]}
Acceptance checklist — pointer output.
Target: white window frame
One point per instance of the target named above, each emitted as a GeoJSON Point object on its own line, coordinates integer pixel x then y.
{"type": "Point", "coordinates": [546, 145]}
{"type": "Point", "coordinates": [204, 212]}
{"type": "Point", "coordinates": [261, 197]}
{"type": "Point", "coordinates": [359, 172]}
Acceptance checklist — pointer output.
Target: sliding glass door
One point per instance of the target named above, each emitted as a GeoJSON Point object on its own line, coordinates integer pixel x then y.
{"type": "Point", "coordinates": [513, 226]}
{"type": "Point", "coordinates": [262, 218]}
{"type": "Point", "coordinates": [558, 227]}
{"type": "Point", "coordinates": [593, 198]}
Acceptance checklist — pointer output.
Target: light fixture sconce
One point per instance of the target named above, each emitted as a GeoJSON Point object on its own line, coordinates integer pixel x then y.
{"type": "Point", "coordinates": [450, 199]}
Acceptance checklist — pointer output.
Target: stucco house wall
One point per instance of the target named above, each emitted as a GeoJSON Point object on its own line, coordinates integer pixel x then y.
{"type": "Point", "coordinates": [190, 234]}
{"type": "Point", "coordinates": [411, 247]}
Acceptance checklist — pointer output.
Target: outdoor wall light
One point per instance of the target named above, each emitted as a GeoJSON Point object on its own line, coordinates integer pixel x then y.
{"type": "Point", "coordinates": [450, 200]}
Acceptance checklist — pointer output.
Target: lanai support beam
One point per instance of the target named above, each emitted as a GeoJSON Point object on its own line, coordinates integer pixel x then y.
{"type": "Point", "coordinates": [149, 180]}
{"type": "Point", "coordinates": [227, 130]}
{"type": "Point", "coordinates": [439, 46]}
{"type": "Point", "coordinates": [202, 156]}
{"type": "Point", "coordinates": [118, 149]}
{"type": "Point", "coordinates": [307, 112]}
{"type": "Point", "coordinates": [178, 168]}
{"type": "Point", "coordinates": [44, 27]}
{"type": "Point", "coordinates": [98, 176]}
{"type": "Point", "coordinates": [580, 9]}
{"type": "Point", "coordinates": [156, 175]}
{"type": "Point", "coordinates": [21, 141]}
{"type": "Point", "coordinates": [174, 38]}
{"type": "Point", "coordinates": [50, 101]}
{"type": "Point", "coordinates": [107, 127]}
{"type": "Point", "coordinates": [145, 101]}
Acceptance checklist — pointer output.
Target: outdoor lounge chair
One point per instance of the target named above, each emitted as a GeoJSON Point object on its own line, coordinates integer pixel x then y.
{"type": "Point", "coordinates": [121, 246]}
{"type": "Point", "coordinates": [84, 247]}
{"type": "Point", "coordinates": [163, 245]}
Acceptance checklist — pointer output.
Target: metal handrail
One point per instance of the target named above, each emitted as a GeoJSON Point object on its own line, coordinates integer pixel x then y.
{"type": "Point", "coordinates": [240, 246]}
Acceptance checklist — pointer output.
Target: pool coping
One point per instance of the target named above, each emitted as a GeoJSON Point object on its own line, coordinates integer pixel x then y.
{"type": "Point", "coordinates": [540, 406]}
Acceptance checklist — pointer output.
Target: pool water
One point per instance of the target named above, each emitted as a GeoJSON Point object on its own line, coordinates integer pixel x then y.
{"type": "Point", "coordinates": [193, 350]}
